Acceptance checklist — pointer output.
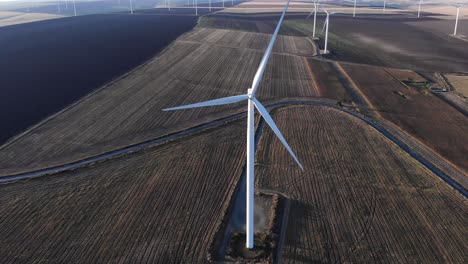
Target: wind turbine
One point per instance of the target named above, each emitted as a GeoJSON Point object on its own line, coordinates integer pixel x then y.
{"type": "Point", "coordinates": [384, 5]}
{"type": "Point", "coordinates": [131, 7]}
{"type": "Point", "coordinates": [316, 5]}
{"type": "Point", "coordinates": [74, 7]}
{"type": "Point", "coordinates": [354, 10]}
{"type": "Point", "coordinates": [456, 21]}
{"type": "Point", "coordinates": [252, 103]}
{"type": "Point", "coordinates": [419, 8]}
{"type": "Point", "coordinates": [58, 7]}
{"type": "Point", "coordinates": [196, 7]}
{"type": "Point", "coordinates": [325, 27]}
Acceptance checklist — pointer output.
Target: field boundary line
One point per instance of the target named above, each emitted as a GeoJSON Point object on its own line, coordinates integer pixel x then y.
{"type": "Point", "coordinates": [351, 81]}
{"type": "Point", "coordinates": [314, 80]}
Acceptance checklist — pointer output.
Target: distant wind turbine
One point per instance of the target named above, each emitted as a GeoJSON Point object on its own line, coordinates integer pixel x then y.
{"type": "Point", "coordinates": [456, 21]}
{"type": "Point", "coordinates": [131, 7]}
{"type": "Point", "coordinates": [252, 103]}
{"type": "Point", "coordinates": [419, 8]}
{"type": "Point", "coordinates": [58, 7]}
{"type": "Point", "coordinates": [66, 4]}
{"type": "Point", "coordinates": [196, 7]}
{"type": "Point", "coordinates": [74, 7]}
{"type": "Point", "coordinates": [325, 27]}
{"type": "Point", "coordinates": [354, 10]}
{"type": "Point", "coordinates": [316, 5]}
{"type": "Point", "coordinates": [384, 5]}
{"type": "Point", "coordinates": [223, 3]}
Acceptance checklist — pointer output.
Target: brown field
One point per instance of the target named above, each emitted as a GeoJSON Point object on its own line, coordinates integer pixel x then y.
{"type": "Point", "coordinates": [325, 77]}
{"type": "Point", "coordinates": [160, 205]}
{"type": "Point", "coordinates": [361, 199]}
{"type": "Point", "coordinates": [459, 82]}
{"type": "Point", "coordinates": [26, 18]}
{"type": "Point", "coordinates": [378, 41]}
{"type": "Point", "coordinates": [418, 112]}
{"type": "Point", "coordinates": [128, 111]}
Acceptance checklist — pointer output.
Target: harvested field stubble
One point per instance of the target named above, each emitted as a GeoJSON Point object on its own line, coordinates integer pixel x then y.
{"type": "Point", "coordinates": [418, 112]}
{"type": "Point", "coordinates": [159, 205]}
{"type": "Point", "coordinates": [361, 198]}
{"type": "Point", "coordinates": [129, 110]}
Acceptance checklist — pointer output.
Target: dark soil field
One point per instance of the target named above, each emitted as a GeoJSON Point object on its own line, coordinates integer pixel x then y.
{"type": "Point", "coordinates": [201, 65]}
{"type": "Point", "coordinates": [415, 110]}
{"type": "Point", "coordinates": [389, 42]}
{"type": "Point", "coordinates": [47, 65]}
{"type": "Point", "coordinates": [443, 26]}
{"type": "Point", "coordinates": [361, 199]}
{"type": "Point", "coordinates": [161, 205]}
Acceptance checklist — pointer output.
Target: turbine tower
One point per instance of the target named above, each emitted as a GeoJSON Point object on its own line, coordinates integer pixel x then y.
{"type": "Point", "coordinates": [74, 7]}
{"type": "Point", "coordinates": [325, 27]}
{"type": "Point", "coordinates": [384, 5]}
{"type": "Point", "coordinates": [354, 10]}
{"type": "Point", "coordinates": [131, 7]}
{"type": "Point", "coordinates": [456, 21]}
{"type": "Point", "coordinates": [419, 8]}
{"type": "Point", "coordinates": [316, 5]}
{"type": "Point", "coordinates": [252, 103]}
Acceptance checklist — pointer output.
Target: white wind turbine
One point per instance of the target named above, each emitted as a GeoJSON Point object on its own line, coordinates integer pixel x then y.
{"type": "Point", "coordinates": [131, 7]}
{"type": "Point", "coordinates": [74, 7]}
{"type": "Point", "coordinates": [354, 10]}
{"type": "Point", "coordinates": [456, 21]}
{"type": "Point", "coordinates": [419, 8]}
{"type": "Point", "coordinates": [325, 27]}
{"type": "Point", "coordinates": [196, 7]}
{"type": "Point", "coordinates": [316, 5]}
{"type": "Point", "coordinates": [384, 5]}
{"type": "Point", "coordinates": [252, 103]}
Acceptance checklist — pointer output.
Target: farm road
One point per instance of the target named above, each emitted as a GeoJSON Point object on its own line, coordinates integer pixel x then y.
{"type": "Point", "coordinates": [412, 151]}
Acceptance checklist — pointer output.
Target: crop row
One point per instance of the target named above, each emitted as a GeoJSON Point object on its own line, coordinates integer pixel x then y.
{"type": "Point", "coordinates": [160, 205]}
{"type": "Point", "coordinates": [360, 199]}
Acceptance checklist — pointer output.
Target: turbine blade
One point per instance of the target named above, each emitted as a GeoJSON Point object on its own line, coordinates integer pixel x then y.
{"type": "Point", "coordinates": [275, 129]}
{"type": "Point", "coordinates": [310, 14]}
{"type": "Point", "coordinates": [324, 25]}
{"type": "Point", "coordinates": [266, 56]}
{"type": "Point", "coordinates": [221, 101]}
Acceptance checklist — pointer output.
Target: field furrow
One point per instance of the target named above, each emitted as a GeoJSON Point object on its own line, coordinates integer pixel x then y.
{"type": "Point", "coordinates": [162, 204]}
{"type": "Point", "coordinates": [361, 198]}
